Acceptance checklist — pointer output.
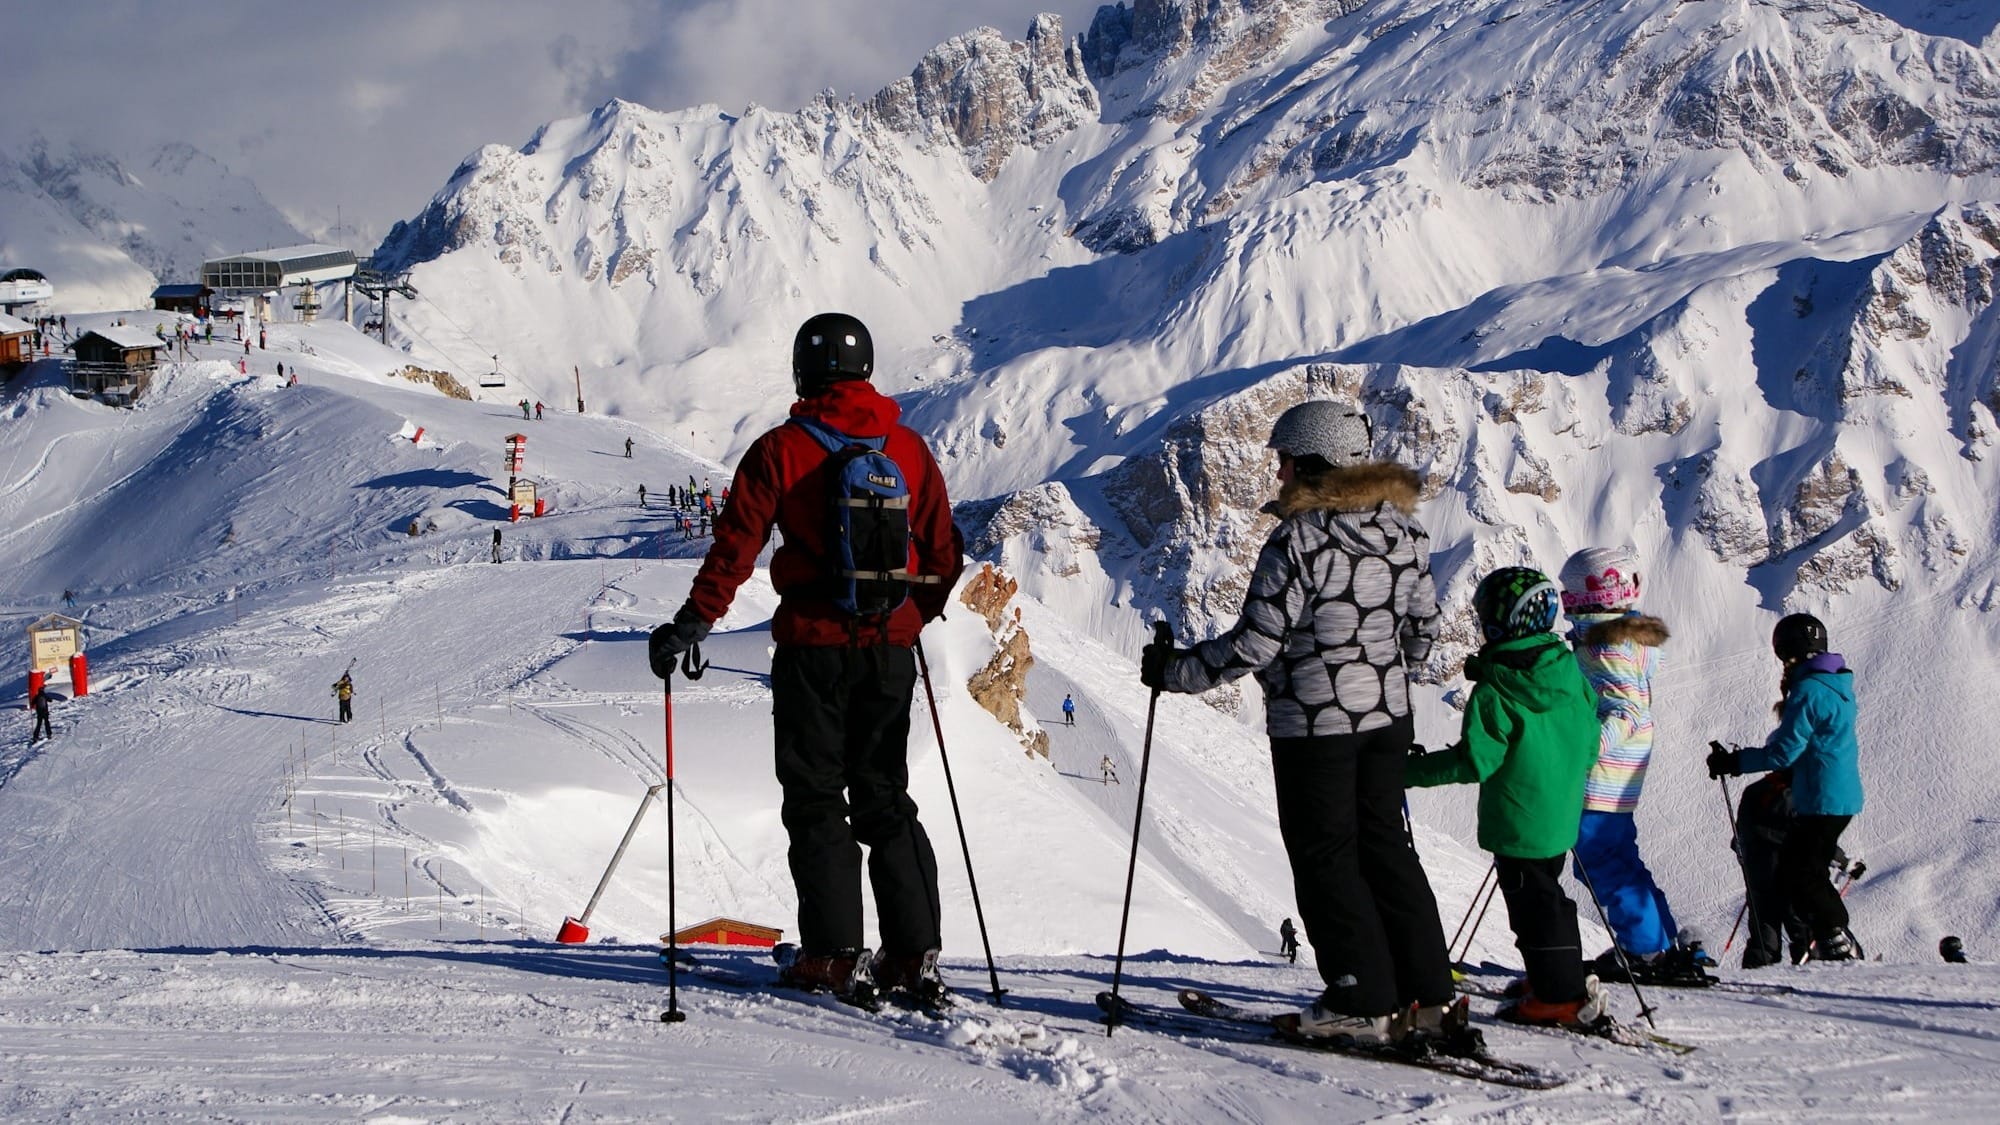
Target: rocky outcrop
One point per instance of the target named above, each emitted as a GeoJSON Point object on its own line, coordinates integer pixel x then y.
{"type": "Point", "coordinates": [442, 380]}
{"type": "Point", "coordinates": [1002, 683]}
{"type": "Point", "coordinates": [990, 97]}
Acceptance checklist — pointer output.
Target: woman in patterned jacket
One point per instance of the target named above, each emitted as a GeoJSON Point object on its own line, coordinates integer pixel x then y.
{"type": "Point", "coordinates": [1340, 607]}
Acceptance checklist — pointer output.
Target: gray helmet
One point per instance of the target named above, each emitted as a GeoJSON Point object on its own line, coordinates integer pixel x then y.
{"type": "Point", "coordinates": [1335, 432]}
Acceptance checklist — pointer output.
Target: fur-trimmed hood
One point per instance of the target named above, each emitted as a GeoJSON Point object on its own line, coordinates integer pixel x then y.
{"type": "Point", "coordinates": [1356, 488]}
{"type": "Point", "coordinates": [1636, 628]}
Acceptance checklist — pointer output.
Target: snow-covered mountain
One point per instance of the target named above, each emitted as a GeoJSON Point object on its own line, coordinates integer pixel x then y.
{"type": "Point", "coordinates": [1712, 278]}
{"type": "Point", "coordinates": [1730, 241]}
{"type": "Point", "coordinates": [107, 230]}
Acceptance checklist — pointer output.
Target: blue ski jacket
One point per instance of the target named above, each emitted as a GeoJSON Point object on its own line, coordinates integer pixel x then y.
{"type": "Point", "coordinates": [1815, 740]}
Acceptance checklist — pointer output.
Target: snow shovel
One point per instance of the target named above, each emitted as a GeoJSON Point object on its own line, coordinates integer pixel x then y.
{"type": "Point", "coordinates": [576, 931]}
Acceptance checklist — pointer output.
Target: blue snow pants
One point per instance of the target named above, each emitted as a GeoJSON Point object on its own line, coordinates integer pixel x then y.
{"type": "Point", "coordinates": [1607, 846]}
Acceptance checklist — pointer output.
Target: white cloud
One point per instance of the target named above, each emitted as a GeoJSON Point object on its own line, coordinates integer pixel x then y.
{"type": "Point", "coordinates": [366, 107]}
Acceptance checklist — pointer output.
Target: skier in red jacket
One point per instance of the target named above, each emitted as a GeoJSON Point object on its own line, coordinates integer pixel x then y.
{"type": "Point", "coordinates": [841, 685]}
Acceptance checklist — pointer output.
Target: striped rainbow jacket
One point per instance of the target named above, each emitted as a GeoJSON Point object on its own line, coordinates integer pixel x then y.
{"type": "Point", "coordinates": [1620, 655]}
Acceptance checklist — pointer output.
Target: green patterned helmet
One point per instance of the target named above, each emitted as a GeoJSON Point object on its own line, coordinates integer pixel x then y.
{"type": "Point", "coordinates": [1515, 602]}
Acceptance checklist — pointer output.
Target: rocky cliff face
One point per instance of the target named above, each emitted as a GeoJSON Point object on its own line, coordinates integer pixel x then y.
{"type": "Point", "coordinates": [1001, 683]}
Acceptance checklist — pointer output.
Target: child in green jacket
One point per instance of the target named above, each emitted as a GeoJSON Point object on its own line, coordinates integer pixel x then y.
{"type": "Point", "coordinates": [1530, 738]}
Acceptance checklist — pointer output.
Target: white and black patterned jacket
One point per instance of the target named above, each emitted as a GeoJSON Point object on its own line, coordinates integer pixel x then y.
{"type": "Point", "coordinates": [1340, 607]}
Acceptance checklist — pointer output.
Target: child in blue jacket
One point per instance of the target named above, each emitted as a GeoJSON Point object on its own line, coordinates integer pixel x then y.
{"type": "Point", "coordinates": [1815, 740]}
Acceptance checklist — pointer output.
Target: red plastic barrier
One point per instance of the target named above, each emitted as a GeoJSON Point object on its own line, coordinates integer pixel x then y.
{"type": "Point", "coordinates": [541, 506]}
{"type": "Point", "coordinates": [35, 682]}
{"type": "Point", "coordinates": [79, 675]}
{"type": "Point", "coordinates": [418, 436]}
{"type": "Point", "coordinates": [514, 513]}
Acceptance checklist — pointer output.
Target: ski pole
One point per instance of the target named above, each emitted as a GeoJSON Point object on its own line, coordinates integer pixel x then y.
{"type": "Point", "coordinates": [1740, 913]}
{"type": "Point", "coordinates": [1163, 634]}
{"type": "Point", "coordinates": [1487, 886]}
{"type": "Point", "coordinates": [978, 912]}
{"type": "Point", "coordinates": [694, 666]}
{"type": "Point", "coordinates": [1644, 1009]}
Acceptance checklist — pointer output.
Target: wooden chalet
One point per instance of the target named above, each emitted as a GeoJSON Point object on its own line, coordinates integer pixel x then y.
{"type": "Point", "coordinates": [728, 931]}
{"type": "Point", "coordinates": [17, 338]}
{"type": "Point", "coordinates": [114, 364]}
{"type": "Point", "coordinates": [183, 298]}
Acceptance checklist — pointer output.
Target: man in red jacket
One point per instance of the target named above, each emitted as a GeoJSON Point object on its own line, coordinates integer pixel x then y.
{"type": "Point", "coordinates": [841, 685]}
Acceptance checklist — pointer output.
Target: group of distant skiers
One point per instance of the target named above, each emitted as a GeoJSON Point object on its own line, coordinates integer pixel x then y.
{"type": "Point", "coordinates": [1340, 609]}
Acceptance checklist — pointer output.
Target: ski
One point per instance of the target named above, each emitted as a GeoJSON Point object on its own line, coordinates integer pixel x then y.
{"type": "Point", "coordinates": [1220, 1020]}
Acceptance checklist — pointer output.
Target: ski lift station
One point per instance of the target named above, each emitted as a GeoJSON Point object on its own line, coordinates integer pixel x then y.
{"type": "Point", "coordinates": [24, 288]}
{"type": "Point", "coordinates": [261, 274]}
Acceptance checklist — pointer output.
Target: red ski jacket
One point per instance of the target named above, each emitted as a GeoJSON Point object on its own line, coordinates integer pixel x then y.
{"type": "Point", "coordinates": [782, 483]}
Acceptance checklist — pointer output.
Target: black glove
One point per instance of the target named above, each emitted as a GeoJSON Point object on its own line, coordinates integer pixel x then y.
{"type": "Point", "coordinates": [1153, 665]}
{"type": "Point", "coordinates": [1722, 761]}
{"type": "Point", "coordinates": [1417, 750]}
{"type": "Point", "coordinates": [684, 632]}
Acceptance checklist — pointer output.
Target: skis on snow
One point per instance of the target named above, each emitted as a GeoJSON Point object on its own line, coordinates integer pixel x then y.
{"type": "Point", "coordinates": [1204, 1015]}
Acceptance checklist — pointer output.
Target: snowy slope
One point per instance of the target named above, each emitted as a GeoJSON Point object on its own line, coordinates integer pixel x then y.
{"type": "Point", "coordinates": [221, 903]}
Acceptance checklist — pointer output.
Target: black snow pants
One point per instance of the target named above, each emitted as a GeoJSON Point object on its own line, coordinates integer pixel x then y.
{"type": "Point", "coordinates": [42, 727]}
{"type": "Point", "coordinates": [1803, 873]}
{"type": "Point", "coordinates": [1544, 921]}
{"type": "Point", "coordinates": [842, 723]}
{"type": "Point", "coordinates": [1365, 901]}
{"type": "Point", "coordinates": [1763, 823]}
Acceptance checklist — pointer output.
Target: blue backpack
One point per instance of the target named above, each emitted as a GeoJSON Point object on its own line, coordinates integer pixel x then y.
{"type": "Point", "coordinates": [869, 520]}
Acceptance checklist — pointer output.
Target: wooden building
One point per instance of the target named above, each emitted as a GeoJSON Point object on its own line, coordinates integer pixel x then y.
{"type": "Point", "coordinates": [728, 931]}
{"type": "Point", "coordinates": [16, 340]}
{"type": "Point", "coordinates": [115, 364]}
{"type": "Point", "coordinates": [183, 298]}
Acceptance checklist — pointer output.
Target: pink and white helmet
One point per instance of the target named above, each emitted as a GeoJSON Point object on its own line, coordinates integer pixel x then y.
{"type": "Point", "coordinates": [1600, 579]}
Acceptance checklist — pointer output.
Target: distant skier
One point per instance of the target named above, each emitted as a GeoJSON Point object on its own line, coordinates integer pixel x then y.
{"type": "Point", "coordinates": [628, 449]}
{"type": "Point", "coordinates": [40, 705]}
{"type": "Point", "coordinates": [1815, 741]}
{"type": "Point", "coordinates": [260, 337]}
{"type": "Point", "coordinates": [496, 544]}
{"type": "Point", "coordinates": [69, 599]}
{"type": "Point", "coordinates": [538, 412]}
{"type": "Point", "coordinates": [281, 370]}
{"type": "Point", "coordinates": [415, 529]}
{"type": "Point", "coordinates": [1069, 711]}
{"type": "Point", "coordinates": [343, 690]}
{"type": "Point", "coordinates": [524, 410]}
{"type": "Point", "coordinates": [642, 488]}
{"type": "Point", "coordinates": [1288, 941]}
{"type": "Point", "coordinates": [1109, 770]}
{"type": "Point", "coordinates": [1952, 950]}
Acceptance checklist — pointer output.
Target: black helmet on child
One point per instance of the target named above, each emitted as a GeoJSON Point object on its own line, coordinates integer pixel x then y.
{"type": "Point", "coordinates": [830, 347]}
{"type": "Point", "coordinates": [1798, 636]}
{"type": "Point", "coordinates": [1515, 602]}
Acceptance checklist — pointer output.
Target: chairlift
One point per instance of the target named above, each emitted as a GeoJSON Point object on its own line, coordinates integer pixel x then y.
{"type": "Point", "coordinates": [493, 378]}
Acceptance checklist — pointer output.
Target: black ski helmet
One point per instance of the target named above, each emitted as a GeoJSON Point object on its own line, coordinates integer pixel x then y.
{"type": "Point", "coordinates": [830, 347]}
{"type": "Point", "coordinates": [1797, 637]}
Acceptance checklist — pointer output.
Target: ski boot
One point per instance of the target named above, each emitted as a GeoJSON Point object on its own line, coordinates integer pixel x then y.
{"type": "Point", "coordinates": [842, 972]}
{"type": "Point", "coordinates": [1446, 1028]}
{"type": "Point", "coordinates": [913, 979]}
{"type": "Point", "coordinates": [1316, 1021]}
{"type": "Point", "coordinates": [1570, 1015]}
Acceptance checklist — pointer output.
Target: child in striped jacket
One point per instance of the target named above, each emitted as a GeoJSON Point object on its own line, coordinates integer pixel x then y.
{"type": "Point", "coordinates": [1618, 649]}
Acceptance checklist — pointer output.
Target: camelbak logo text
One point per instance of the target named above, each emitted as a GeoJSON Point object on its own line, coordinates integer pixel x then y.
{"type": "Point", "coordinates": [882, 481]}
